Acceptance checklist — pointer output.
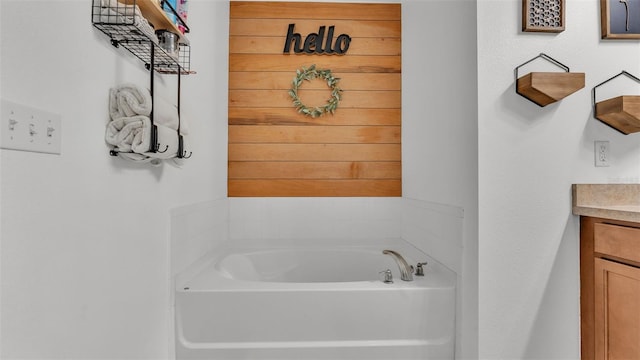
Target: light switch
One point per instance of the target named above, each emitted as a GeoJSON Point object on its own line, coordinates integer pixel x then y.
{"type": "Point", "coordinates": [29, 129]}
{"type": "Point", "coordinates": [12, 123]}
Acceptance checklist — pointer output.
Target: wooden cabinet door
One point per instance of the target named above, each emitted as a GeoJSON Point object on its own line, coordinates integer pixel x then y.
{"type": "Point", "coordinates": [617, 308]}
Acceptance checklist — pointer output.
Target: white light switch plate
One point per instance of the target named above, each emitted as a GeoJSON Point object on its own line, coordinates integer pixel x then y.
{"type": "Point", "coordinates": [29, 129]}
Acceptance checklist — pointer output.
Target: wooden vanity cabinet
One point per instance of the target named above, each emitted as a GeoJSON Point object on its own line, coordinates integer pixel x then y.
{"type": "Point", "coordinates": [609, 289]}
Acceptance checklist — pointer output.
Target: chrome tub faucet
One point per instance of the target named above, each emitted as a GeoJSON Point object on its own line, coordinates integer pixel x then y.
{"type": "Point", "coordinates": [406, 270]}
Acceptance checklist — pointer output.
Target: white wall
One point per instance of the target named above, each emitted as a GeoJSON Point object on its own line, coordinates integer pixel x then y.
{"type": "Point", "coordinates": [528, 158]}
{"type": "Point", "coordinates": [84, 236]}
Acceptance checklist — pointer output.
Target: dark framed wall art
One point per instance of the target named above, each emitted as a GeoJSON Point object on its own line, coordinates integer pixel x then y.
{"type": "Point", "coordinates": [543, 15]}
{"type": "Point", "coordinates": [620, 19]}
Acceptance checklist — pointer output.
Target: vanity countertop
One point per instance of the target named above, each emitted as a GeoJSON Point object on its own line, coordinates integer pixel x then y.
{"type": "Point", "coordinates": [608, 201]}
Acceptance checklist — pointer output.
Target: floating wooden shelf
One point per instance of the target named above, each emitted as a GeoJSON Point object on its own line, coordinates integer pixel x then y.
{"type": "Point", "coordinates": [544, 88]}
{"type": "Point", "coordinates": [622, 113]}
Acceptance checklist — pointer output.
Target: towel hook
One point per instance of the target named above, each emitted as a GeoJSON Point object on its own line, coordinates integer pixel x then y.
{"type": "Point", "coordinates": [163, 151]}
{"type": "Point", "coordinates": [182, 154]}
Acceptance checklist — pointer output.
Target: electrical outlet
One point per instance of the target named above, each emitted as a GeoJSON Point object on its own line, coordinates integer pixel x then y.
{"type": "Point", "coordinates": [601, 151]}
{"type": "Point", "coordinates": [28, 129]}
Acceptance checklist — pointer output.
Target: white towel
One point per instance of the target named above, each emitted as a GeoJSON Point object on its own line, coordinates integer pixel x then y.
{"type": "Point", "coordinates": [165, 113]}
{"type": "Point", "coordinates": [139, 158]}
{"type": "Point", "coordinates": [133, 100]}
{"type": "Point", "coordinates": [129, 100]}
{"type": "Point", "coordinates": [124, 132]}
{"type": "Point", "coordinates": [114, 110]}
{"type": "Point", "coordinates": [142, 137]}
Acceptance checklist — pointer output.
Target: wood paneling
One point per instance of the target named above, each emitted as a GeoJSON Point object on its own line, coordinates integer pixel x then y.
{"type": "Point", "coordinates": [310, 188]}
{"type": "Point", "coordinates": [314, 152]}
{"type": "Point", "coordinates": [353, 28]}
{"type": "Point", "coordinates": [289, 116]}
{"type": "Point", "coordinates": [314, 170]}
{"type": "Point", "coordinates": [282, 81]}
{"type": "Point", "coordinates": [313, 11]}
{"type": "Point", "coordinates": [276, 151]}
{"type": "Point", "coordinates": [337, 63]}
{"type": "Point", "coordinates": [314, 134]}
{"type": "Point", "coordinates": [274, 45]}
{"type": "Point", "coordinates": [369, 99]}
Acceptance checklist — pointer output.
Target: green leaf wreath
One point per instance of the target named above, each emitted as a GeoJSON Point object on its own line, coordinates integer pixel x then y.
{"type": "Point", "coordinates": [310, 74]}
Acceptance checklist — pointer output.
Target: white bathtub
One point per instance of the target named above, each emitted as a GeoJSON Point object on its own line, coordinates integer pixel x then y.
{"type": "Point", "coordinates": [304, 301]}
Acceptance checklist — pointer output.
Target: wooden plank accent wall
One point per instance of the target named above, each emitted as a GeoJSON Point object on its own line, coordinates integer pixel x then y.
{"type": "Point", "coordinates": [276, 151]}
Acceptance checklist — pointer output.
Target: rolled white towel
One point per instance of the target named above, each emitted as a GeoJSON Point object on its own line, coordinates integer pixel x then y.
{"type": "Point", "coordinates": [133, 100]}
{"type": "Point", "coordinates": [122, 132]}
{"type": "Point", "coordinates": [141, 131]}
{"type": "Point", "coordinates": [139, 158]}
{"type": "Point", "coordinates": [114, 110]}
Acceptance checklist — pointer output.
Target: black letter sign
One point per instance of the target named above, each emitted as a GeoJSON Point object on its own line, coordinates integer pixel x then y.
{"type": "Point", "coordinates": [292, 37]}
{"type": "Point", "coordinates": [313, 42]}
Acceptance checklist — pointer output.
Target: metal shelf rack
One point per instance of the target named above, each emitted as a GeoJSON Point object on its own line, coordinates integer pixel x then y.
{"type": "Point", "coordinates": [131, 24]}
{"type": "Point", "coordinates": [122, 25]}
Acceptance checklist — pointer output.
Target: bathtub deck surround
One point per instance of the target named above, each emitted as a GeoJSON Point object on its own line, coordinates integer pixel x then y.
{"type": "Point", "coordinates": [317, 299]}
{"type": "Point", "coordinates": [254, 240]}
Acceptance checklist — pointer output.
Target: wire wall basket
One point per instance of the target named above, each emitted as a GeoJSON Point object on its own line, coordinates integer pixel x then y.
{"type": "Point", "coordinates": [128, 28]}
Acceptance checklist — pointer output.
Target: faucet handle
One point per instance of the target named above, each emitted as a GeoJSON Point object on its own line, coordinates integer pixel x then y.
{"type": "Point", "coordinates": [420, 269]}
{"type": "Point", "coordinates": [388, 276]}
